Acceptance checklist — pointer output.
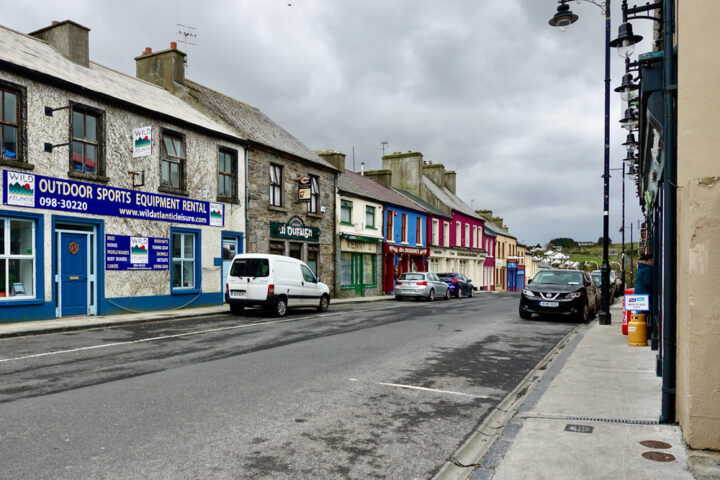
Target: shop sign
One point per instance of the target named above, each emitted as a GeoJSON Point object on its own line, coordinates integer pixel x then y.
{"type": "Point", "coordinates": [142, 142]}
{"type": "Point", "coordinates": [294, 229]}
{"type": "Point", "coordinates": [125, 252]}
{"type": "Point", "coordinates": [638, 303]}
{"type": "Point", "coordinates": [347, 245]}
{"type": "Point", "coordinates": [38, 191]}
{"type": "Point", "coordinates": [304, 189]}
{"type": "Point", "coordinates": [401, 249]}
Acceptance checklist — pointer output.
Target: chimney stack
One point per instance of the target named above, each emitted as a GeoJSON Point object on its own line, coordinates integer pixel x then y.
{"type": "Point", "coordinates": [449, 180]}
{"type": "Point", "coordinates": [165, 68]}
{"type": "Point", "coordinates": [383, 177]}
{"type": "Point", "coordinates": [69, 38]}
{"type": "Point", "coordinates": [334, 158]}
{"type": "Point", "coordinates": [407, 170]}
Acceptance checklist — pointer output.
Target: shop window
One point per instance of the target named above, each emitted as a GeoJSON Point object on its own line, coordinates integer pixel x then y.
{"type": "Point", "coordinates": [11, 110]}
{"type": "Point", "coordinates": [86, 154]}
{"type": "Point", "coordinates": [17, 258]}
{"type": "Point", "coordinates": [312, 205]}
{"type": "Point", "coordinates": [370, 217]}
{"type": "Point", "coordinates": [296, 250]}
{"type": "Point", "coordinates": [227, 175]}
{"type": "Point", "coordinates": [368, 272]}
{"type": "Point", "coordinates": [184, 260]}
{"type": "Point", "coordinates": [357, 270]}
{"type": "Point", "coordinates": [276, 177]}
{"type": "Point", "coordinates": [346, 212]}
{"type": "Point", "coordinates": [277, 248]}
{"type": "Point", "coordinates": [172, 162]}
{"type": "Point", "coordinates": [418, 231]}
{"type": "Point", "coordinates": [313, 252]}
{"type": "Point", "coordinates": [346, 269]}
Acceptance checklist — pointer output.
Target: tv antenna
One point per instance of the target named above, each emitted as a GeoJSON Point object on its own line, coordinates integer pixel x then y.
{"type": "Point", "coordinates": [384, 144]}
{"type": "Point", "coordinates": [186, 35]}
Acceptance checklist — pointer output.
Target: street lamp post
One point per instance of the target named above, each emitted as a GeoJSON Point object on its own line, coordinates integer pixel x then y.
{"type": "Point", "coordinates": [562, 19]}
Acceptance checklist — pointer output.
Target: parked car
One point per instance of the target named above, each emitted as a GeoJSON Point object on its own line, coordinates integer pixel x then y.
{"type": "Point", "coordinates": [560, 292]}
{"type": "Point", "coordinates": [460, 285]}
{"type": "Point", "coordinates": [275, 282]}
{"type": "Point", "coordinates": [614, 283]}
{"type": "Point", "coordinates": [421, 285]}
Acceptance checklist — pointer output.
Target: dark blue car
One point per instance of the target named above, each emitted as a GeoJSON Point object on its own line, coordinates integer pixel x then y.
{"type": "Point", "coordinates": [460, 286]}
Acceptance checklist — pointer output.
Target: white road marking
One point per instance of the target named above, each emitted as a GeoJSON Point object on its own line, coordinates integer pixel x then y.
{"type": "Point", "coordinates": [450, 392]}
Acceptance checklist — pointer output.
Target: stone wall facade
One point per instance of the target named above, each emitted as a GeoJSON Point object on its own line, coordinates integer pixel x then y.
{"type": "Point", "coordinates": [260, 213]}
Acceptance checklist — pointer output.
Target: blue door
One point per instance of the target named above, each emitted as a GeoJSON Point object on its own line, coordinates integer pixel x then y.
{"type": "Point", "coordinates": [74, 275]}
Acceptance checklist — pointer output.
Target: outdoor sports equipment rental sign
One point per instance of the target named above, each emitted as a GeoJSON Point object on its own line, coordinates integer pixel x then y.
{"type": "Point", "coordinates": [124, 252]}
{"type": "Point", "coordinates": [37, 191]}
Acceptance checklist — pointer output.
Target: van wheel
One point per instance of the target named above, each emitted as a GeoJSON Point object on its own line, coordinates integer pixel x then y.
{"type": "Point", "coordinates": [280, 307]}
{"type": "Point", "coordinates": [324, 303]}
{"type": "Point", "coordinates": [236, 308]}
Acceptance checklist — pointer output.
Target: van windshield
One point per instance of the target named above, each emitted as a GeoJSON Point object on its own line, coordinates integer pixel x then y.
{"type": "Point", "coordinates": [250, 267]}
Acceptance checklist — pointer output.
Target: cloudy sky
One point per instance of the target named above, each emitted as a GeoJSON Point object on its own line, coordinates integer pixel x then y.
{"type": "Point", "coordinates": [485, 87]}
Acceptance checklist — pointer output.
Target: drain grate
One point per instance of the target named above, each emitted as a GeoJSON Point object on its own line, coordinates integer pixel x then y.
{"type": "Point", "coordinates": [658, 456]}
{"type": "Point", "coordinates": [656, 444]}
{"type": "Point", "coordinates": [628, 421]}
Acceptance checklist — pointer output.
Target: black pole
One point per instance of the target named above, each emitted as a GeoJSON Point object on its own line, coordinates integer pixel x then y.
{"type": "Point", "coordinates": [669, 220]}
{"type": "Point", "coordinates": [605, 269]}
{"type": "Point", "coordinates": [622, 269]}
{"type": "Point", "coordinates": [632, 267]}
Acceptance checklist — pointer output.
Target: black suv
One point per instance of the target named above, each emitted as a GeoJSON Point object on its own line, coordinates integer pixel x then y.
{"type": "Point", "coordinates": [560, 292]}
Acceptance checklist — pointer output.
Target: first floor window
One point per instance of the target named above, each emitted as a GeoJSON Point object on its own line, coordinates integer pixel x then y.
{"type": "Point", "coordinates": [345, 212]}
{"type": "Point", "coordinates": [276, 177]}
{"type": "Point", "coordinates": [172, 162]}
{"type": "Point", "coordinates": [312, 205]}
{"type": "Point", "coordinates": [227, 174]}
{"type": "Point", "coordinates": [370, 217]}
{"type": "Point", "coordinates": [404, 228]}
{"type": "Point", "coordinates": [183, 260]}
{"type": "Point", "coordinates": [85, 140]}
{"type": "Point", "coordinates": [418, 231]}
{"type": "Point", "coordinates": [446, 234]}
{"type": "Point", "coordinates": [435, 232]}
{"type": "Point", "coordinates": [17, 258]}
{"type": "Point", "coordinates": [10, 125]}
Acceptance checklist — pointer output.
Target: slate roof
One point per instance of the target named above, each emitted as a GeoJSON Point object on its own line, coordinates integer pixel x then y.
{"type": "Point", "coordinates": [449, 199]}
{"type": "Point", "coordinates": [38, 56]}
{"type": "Point", "coordinates": [251, 123]}
{"type": "Point", "coordinates": [362, 186]}
{"type": "Point", "coordinates": [499, 230]}
{"type": "Point", "coordinates": [422, 203]}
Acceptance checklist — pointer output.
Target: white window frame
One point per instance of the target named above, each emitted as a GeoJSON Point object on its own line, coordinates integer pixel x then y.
{"type": "Point", "coordinates": [7, 256]}
{"type": "Point", "coordinates": [458, 234]}
{"type": "Point", "coordinates": [446, 234]}
{"type": "Point", "coordinates": [182, 259]}
{"type": "Point", "coordinates": [435, 232]}
{"type": "Point", "coordinates": [467, 235]}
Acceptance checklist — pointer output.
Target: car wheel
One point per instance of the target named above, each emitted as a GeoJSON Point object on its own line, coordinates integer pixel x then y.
{"type": "Point", "coordinates": [431, 296]}
{"type": "Point", "coordinates": [447, 294]}
{"type": "Point", "coordinates": [524, 315]}
{"type": "Point", "coordinates": [471, 293]}
{"type": "Point", "coordinates": [324, 303]}
{"type": "Point", "coordinates": [280, 307]}
{"type": "Point", "coordinates": [459, 293]}
{"type": "Point", "coordinates": [236, 308]}
{"type": "Point", "coordinates": [584, 316]}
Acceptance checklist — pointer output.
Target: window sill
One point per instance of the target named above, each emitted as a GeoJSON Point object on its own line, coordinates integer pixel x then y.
{"type": "Point", "coordinates": [314, 214]}
{"type": "Point", "coordinates": [184, 291]}
{"type": "Point", "coordinates": [371, 228]}
{"type": "Point", "coordinates": [224, 199]}
{"type": "Point", "coordinates": [87, 176]}
{"type": "Point", "coordinates": [275, 208]}
{"type": "Point", "coordinates": [347, 224]}
{"type": "Point", "coordinates": [6, 162]}
{"type": "Point", "coordinates": [10, 302]}
{"type": "Point", "coordinates": [172, 190]}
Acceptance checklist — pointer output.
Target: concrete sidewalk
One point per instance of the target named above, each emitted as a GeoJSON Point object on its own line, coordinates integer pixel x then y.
{"type": "Point", "coordinates": [80, 322]}
{"type": "Point", "coordinates": [594, 415]}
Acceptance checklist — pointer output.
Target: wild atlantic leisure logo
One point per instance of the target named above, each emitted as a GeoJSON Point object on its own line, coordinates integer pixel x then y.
{"type": "Point", "coordinates": [139, 250]}
{"type": "Point", "coordinates": [217, 211]}
{"type": "Point", "coordinates": [20, 189]}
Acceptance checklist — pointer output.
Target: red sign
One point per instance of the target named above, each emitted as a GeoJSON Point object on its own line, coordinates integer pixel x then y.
{"type": "Point", "coordinates": [402, 249]}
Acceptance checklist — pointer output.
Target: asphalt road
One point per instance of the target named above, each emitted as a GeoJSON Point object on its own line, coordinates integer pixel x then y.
{"type": "Point", "coordinates": [377, 390]}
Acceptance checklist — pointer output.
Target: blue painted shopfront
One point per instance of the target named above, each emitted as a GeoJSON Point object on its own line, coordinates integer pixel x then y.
{"type": "Point", "coordinates": [405, 249]}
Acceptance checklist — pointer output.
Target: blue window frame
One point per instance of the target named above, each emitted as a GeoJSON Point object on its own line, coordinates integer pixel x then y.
{"type": "Point", "coordinates": [185, 268]}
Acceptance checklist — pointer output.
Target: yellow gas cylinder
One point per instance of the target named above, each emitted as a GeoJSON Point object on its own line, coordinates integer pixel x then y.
{"type": "Point", "coordinates": [637, 330]}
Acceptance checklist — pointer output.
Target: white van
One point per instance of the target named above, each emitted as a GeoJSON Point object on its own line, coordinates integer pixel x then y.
{"type": "Point", "coordinates": [275, 282]}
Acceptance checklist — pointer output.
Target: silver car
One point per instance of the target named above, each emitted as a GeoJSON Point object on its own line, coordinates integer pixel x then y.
{"type": "Point", "coordinates": [421, 285]}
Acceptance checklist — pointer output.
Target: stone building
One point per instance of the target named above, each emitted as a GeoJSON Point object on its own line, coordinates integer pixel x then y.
{"type": "Point", "coordinates": [290, 190]}
{"type": "Point", "coordinates": [112, 199]}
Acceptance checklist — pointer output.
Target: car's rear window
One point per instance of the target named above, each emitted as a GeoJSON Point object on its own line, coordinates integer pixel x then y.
{"type": "Point", "coordinates": [444, 276]}
{"type": "Point", "coordinates": [250, 267]}
{"type": "Point", "coordinates": [411, 276]}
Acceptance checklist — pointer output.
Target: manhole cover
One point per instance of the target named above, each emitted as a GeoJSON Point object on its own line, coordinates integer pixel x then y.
{"type": "Point", "coordinates": [658, 456]}
{"type": "Point", "coordinates": [655, 444]}
{"type": "Point", "coordinates": [578, 428]}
